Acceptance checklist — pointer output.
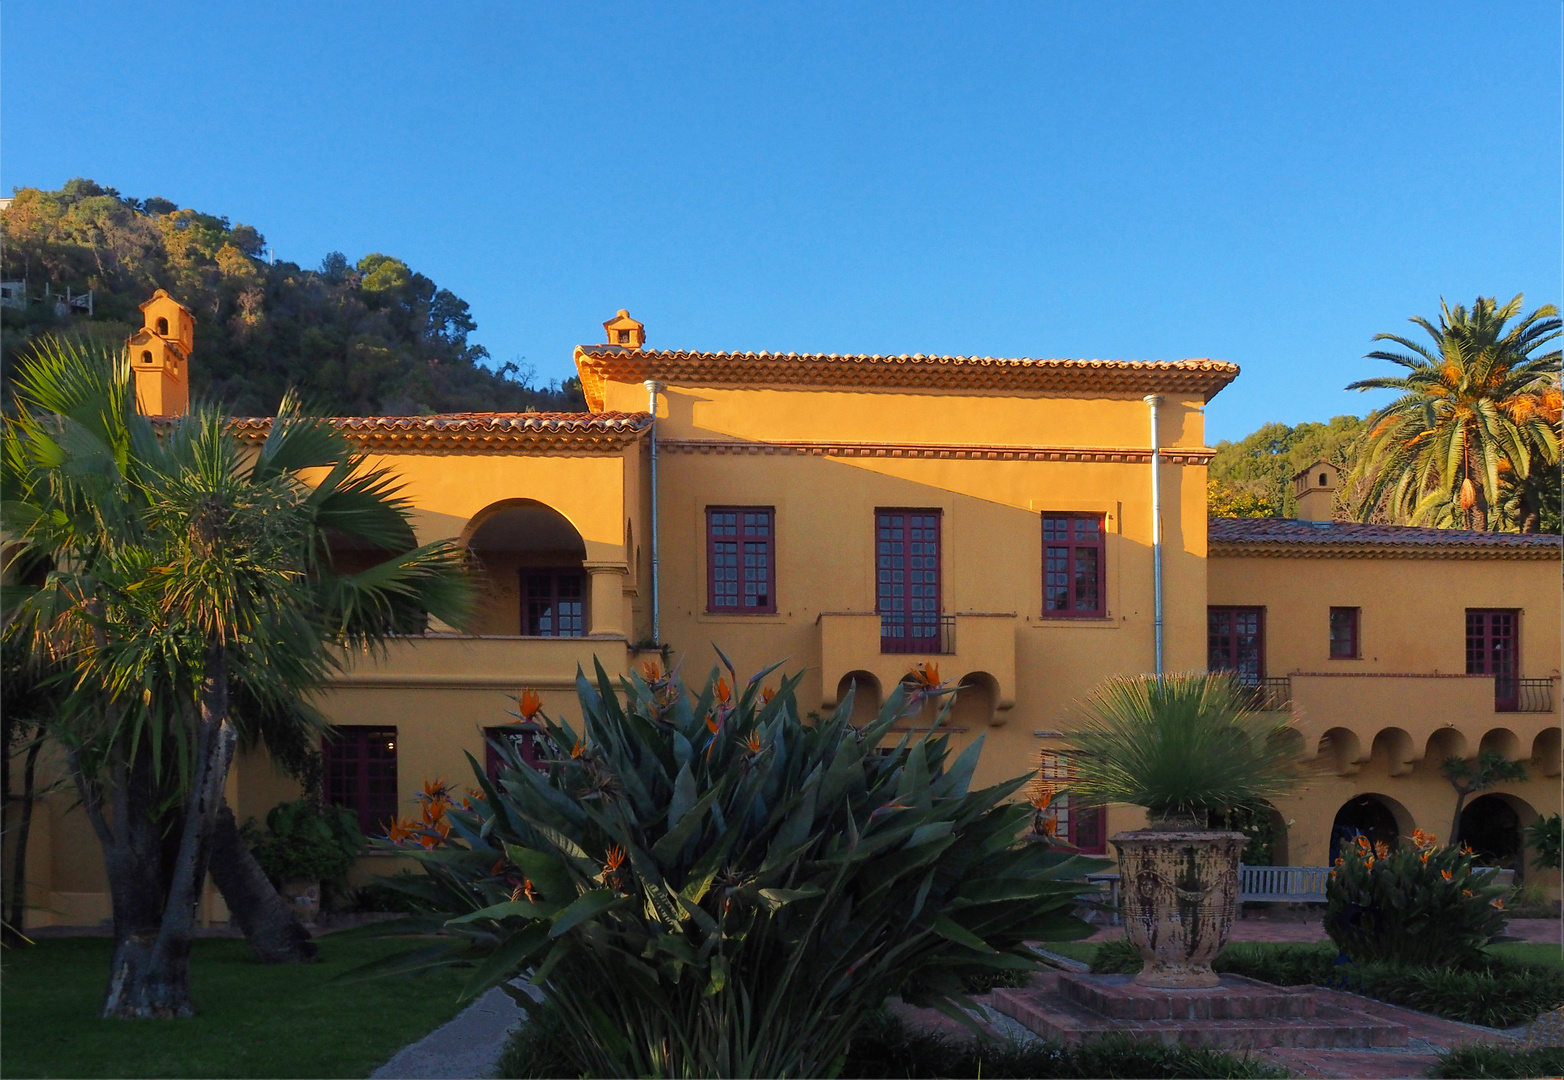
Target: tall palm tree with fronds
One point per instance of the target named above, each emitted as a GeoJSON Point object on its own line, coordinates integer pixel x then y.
{"type": "Point", "coordinates": [184, 565]}
{"type": "Point", "coordinates": [1466, 416]}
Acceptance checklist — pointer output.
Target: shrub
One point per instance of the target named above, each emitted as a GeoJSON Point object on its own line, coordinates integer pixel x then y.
{"type": "Point", "coordinates": [1490, 990]}
{"type": "Point", "coordinates": [886, 1047]}
{"type": "Point", "coordinates": [305, 841]}
{"type": "Point", "coordinates": [1479, 1061]}
{"type": "Point", "coordinates": [1416, 905]}
{"type": "Point", "coordinates": [1183, 746]}
{"type": "Point", "coordinates": [707, 885]}
{"type": "Point", "coordinates": [1544, 836]}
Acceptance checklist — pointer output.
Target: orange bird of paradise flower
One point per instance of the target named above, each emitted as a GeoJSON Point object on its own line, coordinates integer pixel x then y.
{"type": "Point", "coordinates": [1447, 875]}
{"type": "Point", "coordinates": [752, 744]}
{"type": "Point", "coordinates": [614, 858]}
{"type": "Point", "coordinates": [578, 749]}
{"type": "Point", "coordinates": [926, 676]}
{"type": "Point", "coordinates": [529, 704]}
{"type": "Point", "coordinates": [766, 694]}
{"type": "Point", "coordinates": [650, 672]}
{"type": "Point", "coordinates": [724, 691]}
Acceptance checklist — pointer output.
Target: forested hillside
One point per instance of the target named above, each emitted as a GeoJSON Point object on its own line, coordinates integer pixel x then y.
{"type": "Point", "coordinates": [1253, 477]}
{"type": "Point", "coordinates": [355, 338]}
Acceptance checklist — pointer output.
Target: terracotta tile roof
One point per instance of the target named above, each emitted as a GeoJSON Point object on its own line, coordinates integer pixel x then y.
{"type": "Point", "coordinates": [598, 364]}
{"type": "Point", "coordinates": [1308, 539]}
{"type": "Point", "coordinates": [480, 430]}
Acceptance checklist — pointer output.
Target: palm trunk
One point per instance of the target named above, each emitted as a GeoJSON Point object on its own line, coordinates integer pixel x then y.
{"type": "Point", "coordinates": [264, 916]}
{"type": "Point", "coordinates": [152, 979]}
{"type": "Point", "coordinates": [19, 859]}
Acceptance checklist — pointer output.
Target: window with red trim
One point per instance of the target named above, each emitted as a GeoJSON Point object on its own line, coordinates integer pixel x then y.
{"type": "Point", "coordinates": [907, 586]}
{"type": "Point", "coordinates": [1344, 633]}
{"type": "Point", "coordinates": [1084, 828]}
{"type": "Point", "coordinates": [359, 772]}
{"type": "Point", "coordinates": [1492, 648]}
{"type": "Point", "coordinates": [527, 739]}
{"type": "Point", "coordinates": [1235, 641]}
{"type": "Point", "coordinates": [553, 603]}
{"type": "Point", "coordinates": [1073, 560]}
{"type": "Point", "coordinates": [741, 560]}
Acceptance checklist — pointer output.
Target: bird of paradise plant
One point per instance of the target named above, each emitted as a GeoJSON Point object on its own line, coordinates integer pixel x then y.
{"type": "Point", "coordinates": [1417, 904]}
{"type": "Point", "coordinates": [739, 912]}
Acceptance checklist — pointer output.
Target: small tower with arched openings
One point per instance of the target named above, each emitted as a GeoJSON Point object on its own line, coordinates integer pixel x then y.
{"type": "Point", "coordinates": [1315, 490]}
{"type": "Point", "coordinates": [625, 331]}
{"type": "Point", "coordinates": [160, 356]}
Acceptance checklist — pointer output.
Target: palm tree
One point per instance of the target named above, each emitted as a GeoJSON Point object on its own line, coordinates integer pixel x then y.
{"type": "Point", "coordinates": [184, 564]}
{"type": "Point", "coordinates": [1465, 416]}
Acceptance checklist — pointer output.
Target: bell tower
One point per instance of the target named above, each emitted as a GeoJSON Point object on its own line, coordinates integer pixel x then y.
{"type": "Point", "coordinates": [1315, 490]}
{"type": "Point", "coordinates": [160, 356]}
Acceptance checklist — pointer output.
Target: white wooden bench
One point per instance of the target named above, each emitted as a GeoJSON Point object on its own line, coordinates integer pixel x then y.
{"type": "Point", "coordinates": [1282, 884]}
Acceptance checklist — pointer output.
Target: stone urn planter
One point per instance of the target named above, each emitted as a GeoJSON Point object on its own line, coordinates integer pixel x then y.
{"type": "Point", "coordinates": [304, 898]}
{"type": "Point", "coordinates": [1179, 889]}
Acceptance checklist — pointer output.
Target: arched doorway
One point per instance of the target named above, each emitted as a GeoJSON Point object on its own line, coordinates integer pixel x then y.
{"type": "Point", "coordinates": [1366, 815]}
{"type": "Point", "coordinates": [866, 696]}
{"type": "Point", "coordinates": [531, 558]}
{"type": "Point", "coordinates": [1491, 826]}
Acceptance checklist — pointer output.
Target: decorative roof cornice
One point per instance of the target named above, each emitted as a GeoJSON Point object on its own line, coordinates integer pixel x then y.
{"type": "Point", "coordinates": [1286, 538]}
{"type": "Point", "coordinates": [479, 432]}
{"type": "Point", "coordinates": [951, 451]}
{"type": "Point", "coordinates": [599, 364]}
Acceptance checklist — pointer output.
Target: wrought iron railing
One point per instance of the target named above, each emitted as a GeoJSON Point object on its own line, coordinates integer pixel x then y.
{"type": "Point", "coordinates": [1522, 695]}
{"type": "Point", "coordinates": [926, 635]}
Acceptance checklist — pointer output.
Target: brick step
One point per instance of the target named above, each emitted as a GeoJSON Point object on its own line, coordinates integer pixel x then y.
{"type": "Point", "coordinates": [1238, 998]}
{"type": "Point", "coordinates": [1053, 1015]}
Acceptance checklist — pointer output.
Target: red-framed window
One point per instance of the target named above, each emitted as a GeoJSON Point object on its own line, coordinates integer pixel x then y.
{"type": "Point", "coordinates": [1084, 828]}
{"type": "Point", "coordinates": [741, 564]}
{"type": "Point", "coordinates": [553, 603]}
{"type": "Point", "coordinates": [1235, 641]}
{"type": "Point", "coordinates": [526, 738]}
{"type": "Point", "coordinates": [1493, 648]}
{"type": "Point", "coordinates": [1344, 643]}
{"type": "Point", "coordinates": [359, 772]}
{"type": "Point", "coordinates": [907, 579]}
{"type": "Point", "coordinates": [1073, 561]}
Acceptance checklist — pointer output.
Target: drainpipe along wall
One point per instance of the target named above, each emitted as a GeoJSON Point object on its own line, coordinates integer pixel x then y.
{"type": "Point", "coordinates": [653, 388]}
{"type": "Point", "coordinates": [1155, 401]}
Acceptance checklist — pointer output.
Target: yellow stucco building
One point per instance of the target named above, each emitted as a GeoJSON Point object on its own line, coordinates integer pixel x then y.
{"type": "Point", "coordinates": [854, 515]}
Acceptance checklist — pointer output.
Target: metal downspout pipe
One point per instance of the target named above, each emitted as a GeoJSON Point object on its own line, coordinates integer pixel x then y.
{"type": "Point", "coordinates": [1153, 400]}
{"type": "Point", "coordinates": [653, 388]}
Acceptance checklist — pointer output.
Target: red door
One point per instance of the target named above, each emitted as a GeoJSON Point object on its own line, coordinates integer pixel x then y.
{"type": "Point", "coordinates": [1491, 650]}
{"type": "Point", "coordinates": [907, 588]}
{"type": "Point", "coordinates": [1235, 641]}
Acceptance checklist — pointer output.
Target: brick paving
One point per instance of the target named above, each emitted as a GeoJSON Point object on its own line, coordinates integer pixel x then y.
{"type": "Point", "coordinates": [1304, 931]}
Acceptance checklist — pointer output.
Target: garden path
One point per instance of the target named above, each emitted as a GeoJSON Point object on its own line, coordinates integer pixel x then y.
{"type": "Point", "coordinates": [1293, 931]}
{"type": "Point", "coordinates": [469, 1045]}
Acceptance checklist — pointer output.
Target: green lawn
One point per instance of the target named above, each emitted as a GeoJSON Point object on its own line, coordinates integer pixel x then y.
{"type": "Point", "coordinates": [251, 1019]}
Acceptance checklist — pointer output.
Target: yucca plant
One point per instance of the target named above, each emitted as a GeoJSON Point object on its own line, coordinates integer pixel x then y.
{"type": "Point", "coordinates": [1183, 746]}
{"type": "Point", "coordinates": [707, 885]}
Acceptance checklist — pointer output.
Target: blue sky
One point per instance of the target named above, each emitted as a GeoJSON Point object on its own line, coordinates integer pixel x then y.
{"type": "Point", "coordinates": [1267, 184]}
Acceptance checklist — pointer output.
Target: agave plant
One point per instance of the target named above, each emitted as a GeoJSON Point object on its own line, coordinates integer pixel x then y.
{"type": "Point", "coordinates": [1183, 746]}
{"type": "Point", "coordinates": [707, 885]}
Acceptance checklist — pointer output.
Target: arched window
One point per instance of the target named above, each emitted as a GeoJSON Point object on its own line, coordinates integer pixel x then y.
{"type": "Point", "coordinates": [146, 356]}
{"type": "Point", "coordinates": [162, 327]}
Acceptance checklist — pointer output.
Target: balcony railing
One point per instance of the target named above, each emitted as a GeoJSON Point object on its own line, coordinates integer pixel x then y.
{"type": "Point", "coordinates": [1522, 695]}
{"type": "Point", "coordinates": [925, 635]}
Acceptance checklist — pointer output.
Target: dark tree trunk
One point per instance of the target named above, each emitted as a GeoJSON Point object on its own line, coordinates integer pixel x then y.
{"type": "Point", "coordinates": [19, 861]}
{"type": "Point", "coordinates": [151, 974]}
{"type": "Point", "coordinates": [264, 916]}
{"type": "Point", "coordinates": [1460, 805]}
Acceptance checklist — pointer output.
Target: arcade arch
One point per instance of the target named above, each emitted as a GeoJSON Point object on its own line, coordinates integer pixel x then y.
{"type": "Point", "coordinates": [530, 558]}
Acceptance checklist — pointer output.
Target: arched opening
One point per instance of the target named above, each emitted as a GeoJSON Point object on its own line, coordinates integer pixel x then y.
{"type": "Point", "coordinates": [1393, 747]}
{"type": "Point", "coordinates": [1493, 826]}
{"type": "Point", "coordinates": [530, 558]}
{"type": "Point", "coordinates": [975, 698]}
{"type": "Point", "coordinates": [162, 327]}
{"type": "Point", "coordinates": [1447, 742]}
{"type": "Point", "coordinates": [1373, 816]}
{"type": "Point", "coordinates": [1339, 748]}
{"type": "Point", "coordinates": [146, 356]}
{"type": "Point", "coordinates": [1545, 752]}
{"type": "Point", "coordinates": [1500, 741]}
{"type": "Point", "coordinates": [865, 689]}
